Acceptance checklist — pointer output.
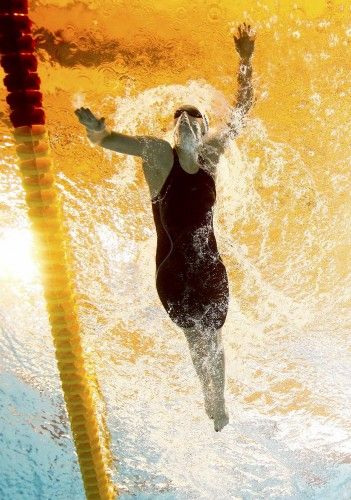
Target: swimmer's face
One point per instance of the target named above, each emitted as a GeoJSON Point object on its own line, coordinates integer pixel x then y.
{"type": "Point", "coordinates": [189, 127]}
{"type": "Point", "coordinates": [188, 123]}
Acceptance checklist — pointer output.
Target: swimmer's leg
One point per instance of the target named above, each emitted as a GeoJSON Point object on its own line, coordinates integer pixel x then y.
{"type": "Point", "coordinates": [217, 373]}
{"type": "Point", "coordinates": [198, 346]}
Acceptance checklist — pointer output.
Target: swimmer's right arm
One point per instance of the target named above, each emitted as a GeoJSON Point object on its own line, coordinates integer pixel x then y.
{"type": "Point", "coordinates": [125, 144]}
{"type": "Point", "coordinates": [121, 143]}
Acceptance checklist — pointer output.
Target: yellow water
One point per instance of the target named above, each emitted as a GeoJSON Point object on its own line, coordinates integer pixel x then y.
{"type": "Point", "coordinates": [282, 223]}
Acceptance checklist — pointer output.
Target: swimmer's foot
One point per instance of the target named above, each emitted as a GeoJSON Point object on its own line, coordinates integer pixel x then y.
{"type": "Point", "coordinates": [220, 417]}
{"type": "Point", "coordinates": [209, 406]}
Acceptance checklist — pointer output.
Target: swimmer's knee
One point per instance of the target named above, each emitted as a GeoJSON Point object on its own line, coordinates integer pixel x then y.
{"type": "Point", "coordinates": [201, 338]}
{"type": "Point", "coordinates": [193, 337]}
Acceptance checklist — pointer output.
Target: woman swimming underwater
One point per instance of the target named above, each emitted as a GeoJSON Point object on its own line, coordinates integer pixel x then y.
{"type": "Point", "coordinates": [191, 279]}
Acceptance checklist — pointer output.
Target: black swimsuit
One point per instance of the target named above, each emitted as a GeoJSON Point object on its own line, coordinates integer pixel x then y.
{"type": "Point", "coordinates": [191, 279]}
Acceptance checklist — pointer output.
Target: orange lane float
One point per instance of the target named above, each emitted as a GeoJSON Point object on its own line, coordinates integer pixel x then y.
{"type": "Point", "coordinates": [18, 59]}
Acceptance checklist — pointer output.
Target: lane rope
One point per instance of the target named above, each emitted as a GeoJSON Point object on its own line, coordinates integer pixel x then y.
{"type": "Point", "coordinates": [19, 61]}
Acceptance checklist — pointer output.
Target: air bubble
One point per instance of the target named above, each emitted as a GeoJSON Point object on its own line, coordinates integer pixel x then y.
{"type": "Point", "coordinates": [316, 99]}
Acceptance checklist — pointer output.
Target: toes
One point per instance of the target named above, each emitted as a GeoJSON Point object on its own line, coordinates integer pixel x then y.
{"type": "Point", "coordinates": [221, 421]}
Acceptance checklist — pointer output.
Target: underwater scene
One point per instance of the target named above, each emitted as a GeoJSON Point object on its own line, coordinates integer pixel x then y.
{"type": "Point", "coordinates": [282, 224]}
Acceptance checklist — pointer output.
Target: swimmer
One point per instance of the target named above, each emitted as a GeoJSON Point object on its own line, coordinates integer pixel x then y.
{"type": "Point", "coordinates": [191, 279]}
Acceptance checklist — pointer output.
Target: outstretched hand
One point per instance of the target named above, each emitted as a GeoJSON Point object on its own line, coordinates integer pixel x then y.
{"type": "Point", "coordinates": [245, 41]}
{"type": "Point", "coordinates": [86, 117]}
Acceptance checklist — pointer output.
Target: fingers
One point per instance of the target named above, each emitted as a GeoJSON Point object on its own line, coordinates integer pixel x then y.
{"type": "Point", "coordinates": [85, 115]}
{"type": "Point", "coordinates": [245, 30]}
{"type": "Point", "coordinates": [80, 115]}
{"type": "Point", "coordinates": [241, 31]}
{"type": "Point", "coordinates": [83, 111]}
{"type": "Point", "coordinates": [87, 118]}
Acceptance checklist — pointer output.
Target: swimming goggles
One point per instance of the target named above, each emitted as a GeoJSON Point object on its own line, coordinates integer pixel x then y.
{"type": "Point", "coordinates": [194, 112]}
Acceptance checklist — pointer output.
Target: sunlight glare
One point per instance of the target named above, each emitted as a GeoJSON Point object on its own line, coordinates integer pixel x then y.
{"type": "Point", "coordinates": [17, 255]}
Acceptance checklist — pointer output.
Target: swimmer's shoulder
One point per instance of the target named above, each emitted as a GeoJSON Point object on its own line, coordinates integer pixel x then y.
{"type": "Point", "coordinates": [214, 146]}
{"type": "Point", "coordinates": [149, 148]}
{"type": "Point", "coordinates": [157, 153]}
{"type": "Point", "coordinates": [212, 149]}
{"type": "Point", "coordinates": [157, 163]}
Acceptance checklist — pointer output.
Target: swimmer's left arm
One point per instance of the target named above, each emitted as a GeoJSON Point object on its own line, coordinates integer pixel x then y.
{"type": "Point", "coordinates": [244, 44]}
